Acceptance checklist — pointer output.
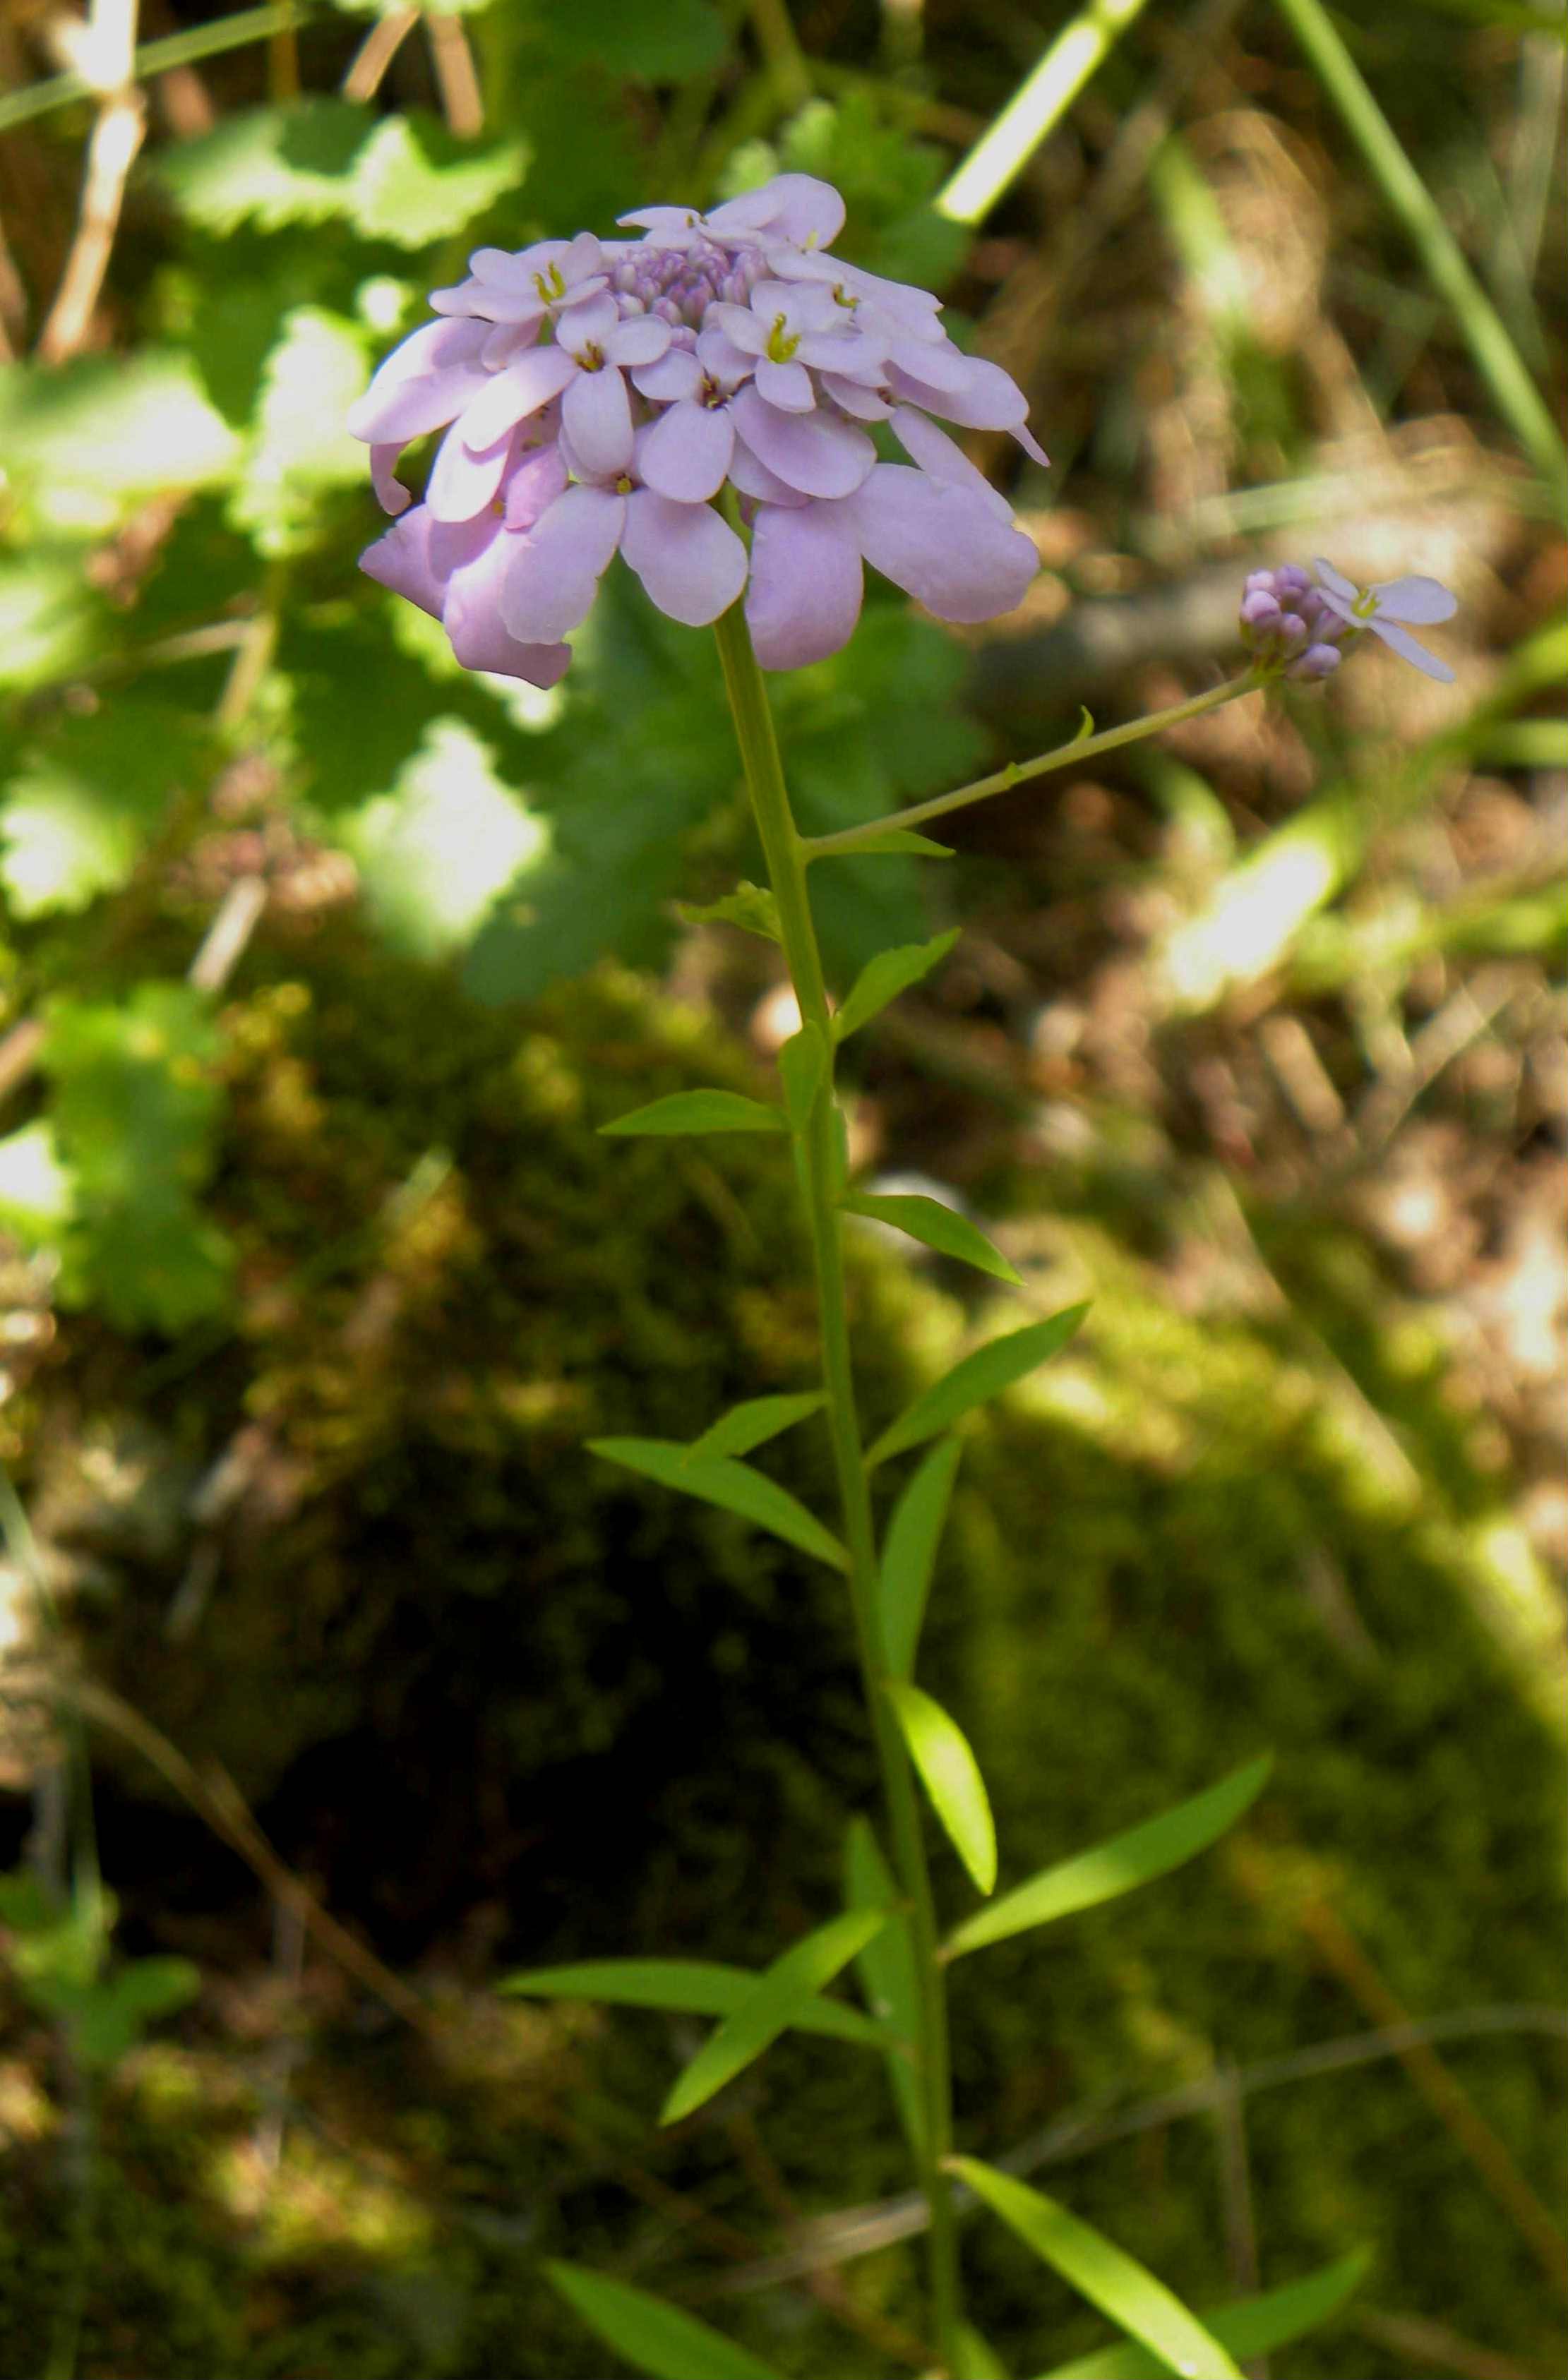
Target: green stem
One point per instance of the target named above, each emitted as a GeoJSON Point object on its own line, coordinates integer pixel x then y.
{"type": "Point", "coordinates": [786, 855]}
{"type": "Point", "coordinates": [1018, 773]}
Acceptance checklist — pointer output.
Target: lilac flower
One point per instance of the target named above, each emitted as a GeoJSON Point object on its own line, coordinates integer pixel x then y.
{"type": "Point", "coordinates": [603, 396]}
{"type": "Point", "coordinates": [1383, 609]}
{"type": "Point", "coordinates": [1287, 624]}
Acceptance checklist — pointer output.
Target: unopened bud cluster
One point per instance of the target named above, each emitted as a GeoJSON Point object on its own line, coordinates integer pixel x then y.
{"type": "Point", "coordinates": [1286, 623]}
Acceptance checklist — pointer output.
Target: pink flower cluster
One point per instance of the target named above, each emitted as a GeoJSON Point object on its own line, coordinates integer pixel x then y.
{"type": "Point", "coordinates": [603, 394]}
{"type": "Point", "coordinates": [1289, 623]}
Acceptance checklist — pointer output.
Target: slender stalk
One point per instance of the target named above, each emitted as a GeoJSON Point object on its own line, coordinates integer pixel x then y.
{"type": "Point", "coordinates": [785, 856]}
{"type": "Point", "coordinates": [1018, 773]}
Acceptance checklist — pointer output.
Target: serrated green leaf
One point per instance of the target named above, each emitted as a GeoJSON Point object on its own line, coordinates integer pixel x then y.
{"type": "Point", "coordinates": [734, 1486]}
{"type": "Point", "coordinates": [909, 1553]}
{"type": "Point", "coordinates": [436, 852]}
{"type": "Point", "coordinates": [751, 907]}
{"type": "Point", "coordinates": [935, 1226]}
{"type": "Point", "coordinates": [86, 798]}
{"type": "Point", "coordinates": [50, 619]}
{"type": "Point", "coordinates": [1101, 2272]}
{"type": "Point", "coordinates": [1247, 2326]}
{"type": "Point", "coordinates": [699, 1988]}
{"type": "Point", "coordinates": [753, 1423]}
{"type": "Point", "coordinates": [803, 1066]}
{"type": "Point", "coordinates": [883, 977]}
{"type": "Point", "coordinates": [1117, 1867]}
{"type": "Point", "coordinates": [269, 166]}
{"type": "Point", "coordinates": [984, 1374]}
{"type": "Point", "coordinates": [657, 2338]}
{"type": "Point", "coordinates": [415, 182]}
{"type": "Point", "coordinates": [299, 448]}
{"type": "Point", "coordinates": [889, 1977]}
{"type": "Point", "coordinates": [700, 1112]}
{"type": "Point", "coordinates": [678, 39]}
{"type": "Point", "coordinates": [950, 1776]}
{"type": "Point", "coordinates": [768, 2009]}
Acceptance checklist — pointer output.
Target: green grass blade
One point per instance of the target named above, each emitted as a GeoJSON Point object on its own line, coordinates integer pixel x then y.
{"type": "Point", "coordinates": [951, 1774]}
{"type": "Point", "coordinates": [1117, 1867]}
{"type": "Point", "coordinates": [935, 1226]}
{"type": "Point", "coordinates": [887, 1971]}
{"type": "Point", "coordinates": [695, 1987]}
{"type": "Point", "coordinates": [734, 1486]}
{"type": "Point", "coordinates": [1101, 2272]}
{"type": "Point", "coordinates": [909, 1553]}
{"type": "Point", "coordinates": [753, 1423]}
{"type": "Point", "coordinates": [1249, 2326]}
{"type": "Point", "coordinates": [1034, 111]}
{"type": "Point", "coordinates": [700, 1112]}
{"type": "Point", "coordinates": [769, 2008]}
{"type": "Point", "coordinates": [984, 1374]}
{"type": "Point", "coordinates": [883, 977]}
{"type": "Point", "coordinates": [657, 2338]}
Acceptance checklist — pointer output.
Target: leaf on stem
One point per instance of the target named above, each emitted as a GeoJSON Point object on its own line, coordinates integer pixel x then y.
{"type": "Point", "coordinates": [752, 1424]}
{"type": "Point", "coordinates": [984, 1374]}
{"type": "Point", "coordinates": [658, 2338]}
{"type": "Point", "coordinates": [883, 977]}
{"type": "Point", "coordinates": [909, 1553]}
{"type": "Point", "coordinates": [803, 1066]}
{"type": "Point", "coordinates": [1248, 2326]}
{"type": "Point", "coordinates": [951, 1774]}
{"type": "Point", "coordinates": [731, 1486]}
{"type": "Point", "coordinates": [899, 839]}
{"type": "Point", "coordinates": [769, 2009]}
{"type": "Point", "coordinates": [700, 1112]}
{"type": "Point", "coordinates": [749, 906]}
{"type": "Point", "coordinates": [695, 1986]}
{"type": "Point", "coordinates": [887, 1971]}
{"type": "Point", "coordinates": [936, 1226]}
{"type": "Point", "coordinates": [1101, 2272]}
{"type": "Point", "coordinates": [1117, 1867]}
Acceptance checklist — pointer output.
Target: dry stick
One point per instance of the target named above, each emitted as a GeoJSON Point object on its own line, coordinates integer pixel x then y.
{"type": "Point", "coordinates": [376, 53]}
{"type": "Point", "coordinates": [460, 85]}
{"type": "Point", "coordinates": [107, 55]}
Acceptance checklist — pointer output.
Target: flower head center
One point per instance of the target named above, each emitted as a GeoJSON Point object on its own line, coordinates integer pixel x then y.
{"type": "Point", "coordinates": [590, 355]}
{"type": "Point", "coordinates": [1365, 604]}
{"type": "Point", "coordinates": [624, 483]}
{"type": "Point", "coordinates": [781, 346]}
{"type": "Point", "coordinates": [549, 284]}
{"type": "Point", "coordinates": [710, 393]}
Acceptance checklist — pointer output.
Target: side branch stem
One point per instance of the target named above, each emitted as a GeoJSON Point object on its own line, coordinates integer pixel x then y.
{"type": "Point", "coordinates": [786, 855]}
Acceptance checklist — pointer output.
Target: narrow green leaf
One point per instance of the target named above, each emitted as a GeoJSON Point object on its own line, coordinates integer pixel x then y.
{"type": "Point", "coordinates": [980, 2359]}
{"type": "Point", "coordinates": [1117, 1867]}
{"type": "Point", "coordinates": [883, 977]}
{"type": "Point", "coordinates": [752, 1424]}
{"type": "Point", "coordinates": [751, 907]}
{"type": "Point", "coordinates": [700, 1111]}
{"type": "Point", "coordinates": [658, 2338]}
{"type": "Point", "coordinates": [902, 839]}
{"type": "Point", "coordinates": [889, 1977]}
{"type": "Point", "coordinates": [935, 1226]}
{"type": "Point", "coordinates": [984, 1374]}
{"type": "Point", "coordinates": [769, 2009]}
{"type": "Point", "coordinates": [696, 1986]}
{"type": "Point", "coordinates": [1104, 2273]}
{"type": "Point", "coordinates": [733, 1485]}
{"type": "Point", "coordinates": [909, 1553]}
{"type": "Point", "coordinates": [951, 1774]}
{"type": "Point", "coordinates": [803, 1064]}
{"type": "Point", "coordinates": [1249, 2326]}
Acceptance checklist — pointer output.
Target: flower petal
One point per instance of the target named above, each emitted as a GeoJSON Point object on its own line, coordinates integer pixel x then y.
{"type": "Point", "coordinates": [865, 403]}
{"type": "Point", "coordinates": [553, 571]}
{"type": "Point", "coordinates": [426, 380]}
{"type": "Point", "coordinates": [1421, 601]}
{"type": "Point", "coordinates": [534, 484]}
{"type": "Point", "coordinates": [754, 479]}
{"type": "Point", "coordinates": [807, 583]}
{"type": "Point", "coordinates": [391, 494]}
{"type": "Point", "coordinates": [686, 454]}
{"type": "Point", "coordinates": [1333, 581]}
{"type": "Point", "coordinates": [691, 563]}
{"type": "Point", "coordinates": [810, 452]}
{"type": "Point", "coordinates": [786, 385]}
{"type": "Point", "coordinates": [940, 543]}
{"type": "Point", "coordinates": [1402, 643]}
{"type": "Point", "coordinates": [402, 559]}
{"type": "Point", "coordinates": [674, 375]}
{"type": "Point", "coordinates": [805, 212]}
{"type": "Point", "coordinates": [461, 483]}
{"type": "Point", "coordinates": [597, 417]}
{"type": "Point", "coordinates": [942, 458]}
{"type": "Point", "coordinates": [511, 395]}
{"type": "Point", "coordinates": [641, 339]}
{"type": "Point", "coordinates": [471, 616]}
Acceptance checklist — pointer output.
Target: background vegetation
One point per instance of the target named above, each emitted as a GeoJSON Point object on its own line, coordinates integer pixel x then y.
{"type": "Point", "coordinates": [337, 1678]}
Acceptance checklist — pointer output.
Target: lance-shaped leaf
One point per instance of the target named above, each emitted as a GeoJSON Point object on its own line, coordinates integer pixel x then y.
{"type": "Point", "coordinates": [936, 1226]}
{"type": "Point", "coordinates": [951, 1774]}
{"type": "Point", "coordinates": [657, 2338]}
{"type": "Point", "coordinates": [700, 1112]}
{"type": "Point", "coordinates": [1247, 2326]}
{"type": "Point", "coordinates": [695, 1987]}
{"type": "Point", "coordinates": [1101, 2272]}
{"type": "Point", "coordinates": [909, 1553]}
{"type": "Point", "coordinates": [883, 977]}
{"type": "Point", "coordinates": [753, 1423]}
{"type": "Point", "coordinates": [984, 1374]}
{"type": "Point", "coordinates": [734, 1486]}
{"type": "Point", "coordinates": [1117, 1867]}
{"type": "Point", "coordinates": [981, 2360]}
{"type": "Point", "coordinates": [803, 1066]}
{"type": "Point", "coordinates": [898, 839]}
{"type": "Point", "coordinates": [887, 1971]}
{"type": "Point", "coordinates": [769, 2008]}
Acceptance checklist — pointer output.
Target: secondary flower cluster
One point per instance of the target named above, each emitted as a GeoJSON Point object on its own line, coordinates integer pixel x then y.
{"type": "Point", "coordinates": [603, 395]}
{"type": "Point", "coordinates": [1305, 630]}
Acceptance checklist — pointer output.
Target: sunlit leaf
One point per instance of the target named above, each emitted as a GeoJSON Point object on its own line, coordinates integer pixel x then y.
{"type": "Point", "coordinates": [37, 1193]}
{"type": "Point", "coordinates": [803, 1068]}
{"type": "Point", "coordinates": [269, 166]}
{"type": "Point", "coordinates": [769, 2009]}
{"type": "Point", "coordinates": [655, 2337]}
{"type": "Point", "coordinates": [749, 906]}
{"type": "Point", "coordinates": [733, 1485]}
{"type": "Point", "coordinates": [888, 1973]}
{"type": "Point", "coordinates": [935, 1226]}
{"type": "Point", "coordinates": [415, 182]}
{"type": "Point", "coordinates": [909, 1553]}
{"type": "Point", "coordinates": [50, 618]}
{"type": "Point", "coordinates": [95, 435]}
{"type": "Point", "coordinates": [984, 1374]}
{"type": "Point", "coordinates": [700, 1112]}
{"type": "Point", "coordinates": [883, 977]}
{"type": "Point", "coordinates": [1248, 2326]}
{"type": "Point", "coordinates": [950, 1776]}
{"type": "Point", "coordinates": [753, 1423]}
{"type": "Point", "coordinates": [435, 853]}
{"type": "Point", "coordinates": [699, 1988]}
{"type": "Point", "coordinates": [1119, 1865]}
{"type": "Point", "coordinates": [1104, 2273]}
{"type": "Point", "coordinates": [299, 447]}
{"type": "Point", "coordinates": [78, 813]}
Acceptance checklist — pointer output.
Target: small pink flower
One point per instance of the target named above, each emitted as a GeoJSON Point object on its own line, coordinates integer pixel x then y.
{"type": "Point", "coordinates": [1385, 607]}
